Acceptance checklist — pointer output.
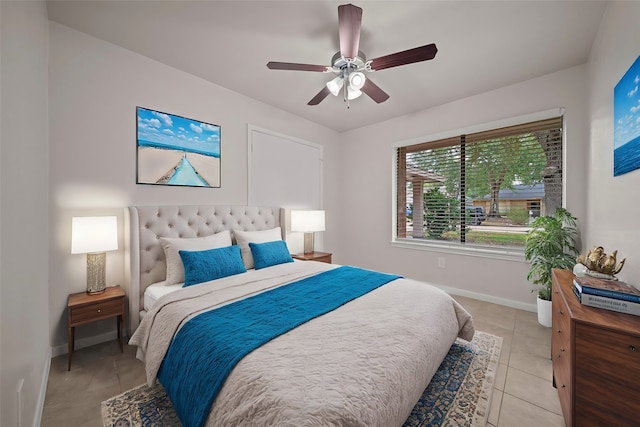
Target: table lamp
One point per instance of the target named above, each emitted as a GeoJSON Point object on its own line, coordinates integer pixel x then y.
{"type": "Point", "coordinates": [94, 235]}
{"type": "Point", "coordinates": [308, 222]}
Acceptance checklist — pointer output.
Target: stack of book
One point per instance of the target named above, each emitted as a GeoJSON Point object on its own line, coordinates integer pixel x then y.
{"type": "Point", "coordinates": [612, 295]}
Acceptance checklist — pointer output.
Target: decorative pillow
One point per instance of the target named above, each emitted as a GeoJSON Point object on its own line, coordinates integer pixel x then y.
{"type": "Point", "coordinates": [171, 246]}
{"type": "Point", "coordinates": [243, 238]}
{"type": "Point", "coordinates": [270, 253]}
{"type": "Point", "coordinates": [211, 264]}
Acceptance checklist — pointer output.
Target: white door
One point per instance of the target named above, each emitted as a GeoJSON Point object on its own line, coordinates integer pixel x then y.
{"type": "Point", "coordinates": [285, 172]}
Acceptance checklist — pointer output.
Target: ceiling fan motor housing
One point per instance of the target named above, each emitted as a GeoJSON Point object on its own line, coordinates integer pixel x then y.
{"type": "Point", "coordinates": [345, 66]}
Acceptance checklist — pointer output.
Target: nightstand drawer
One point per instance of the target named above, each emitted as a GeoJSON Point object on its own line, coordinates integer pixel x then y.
{"type": "Point", "coordinates": [100, 310]}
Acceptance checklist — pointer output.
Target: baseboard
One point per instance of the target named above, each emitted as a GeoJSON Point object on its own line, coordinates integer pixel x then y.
{"type": "Point", "coordinates": [37, 419]}
{"type": "Point", "coordinates": [489, 298]}
{"type": "Point", "coordinates": [87, 342]}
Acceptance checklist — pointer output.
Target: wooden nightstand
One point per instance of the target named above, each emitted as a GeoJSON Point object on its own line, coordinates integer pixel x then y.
{"type": "Point", "coordinates": [84, 308]}
{"type": "Point", "coordinates": [314, 256]}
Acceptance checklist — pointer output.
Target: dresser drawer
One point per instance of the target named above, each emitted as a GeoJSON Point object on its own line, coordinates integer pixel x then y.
{"type": "Point", "coordinates": [97, 311]}
{"type": "Point", "coordinates": [561, 354]}
{"type": "Point", "coordinates": [560, 329]}
{"type": "Point", "coordinates": [609, 365]}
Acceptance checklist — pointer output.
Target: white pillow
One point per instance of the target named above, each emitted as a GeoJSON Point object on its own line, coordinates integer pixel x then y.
{"type": "Point", "coordinates": [171, 246]}
{"type": "Point", "coordinates": [243, 238]}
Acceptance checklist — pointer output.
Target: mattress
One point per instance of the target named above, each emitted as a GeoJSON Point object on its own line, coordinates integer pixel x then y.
{"type": "Point", "coordinates": [157, 290]}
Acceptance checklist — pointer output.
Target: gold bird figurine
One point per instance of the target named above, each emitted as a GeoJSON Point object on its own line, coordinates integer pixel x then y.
{"type": "Point", "coordinates": [598, 261]}
{"type": "Point", "coordinates": [607, 264]}
{"type": "Point", "coordinates": [593, 258]}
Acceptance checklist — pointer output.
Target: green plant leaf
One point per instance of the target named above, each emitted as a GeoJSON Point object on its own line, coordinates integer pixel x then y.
{"type": "Point", "coordinates": [551, 243]}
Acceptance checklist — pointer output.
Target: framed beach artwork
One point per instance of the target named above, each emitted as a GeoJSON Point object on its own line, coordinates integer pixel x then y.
{"type": "Point", "coordinates": [626, 115]}
{"type": "Point", "coordinates": [174, 150]}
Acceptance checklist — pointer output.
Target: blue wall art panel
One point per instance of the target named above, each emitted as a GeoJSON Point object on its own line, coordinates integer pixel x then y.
{"type": "Point", "coordinates": [174, 150]}
{"type": "Point", "coordinates": [626, 115]}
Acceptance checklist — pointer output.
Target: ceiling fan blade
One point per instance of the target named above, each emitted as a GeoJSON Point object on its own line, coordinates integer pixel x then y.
{"type": "Point", "coordinates": [374, 91]}
{"type": "Point", "coordinates": [295, 67]}
{"type": "Point", "coordinates": [418, 54]}
{"type": "Point", "coordinates": [349, 20]}
{"type": "Point", "coordinates": [319, 97]}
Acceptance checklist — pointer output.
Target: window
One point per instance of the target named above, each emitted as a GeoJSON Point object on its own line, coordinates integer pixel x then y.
{"type": "Point", "coordinates": [533, 206]}
{"type": "Point", "coordinates": [480, 189]}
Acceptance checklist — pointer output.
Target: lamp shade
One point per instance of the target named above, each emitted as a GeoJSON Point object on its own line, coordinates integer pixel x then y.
{"type": "Point", "coordinates": [94, 234]}
{"type": "Point", "coordinates": [353, 93]}
{"type": "Point", "coordinates": [335, 85]}
{"type": "Point", "coordinates": [356, 80]}
{"type": "Point", "coordinates": [307, 221]}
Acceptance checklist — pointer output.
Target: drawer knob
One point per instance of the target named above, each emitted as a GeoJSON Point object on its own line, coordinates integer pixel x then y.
{"type": "Point", "coordinates": [99, 311]}
{"type": "Point", "coordinates": [632, 348]}
{"type": "Point", "coordinates": [562, 349]}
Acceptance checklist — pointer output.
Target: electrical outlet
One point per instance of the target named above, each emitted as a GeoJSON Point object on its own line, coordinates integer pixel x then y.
{"type": "Point", "coordinates": [442, 262]}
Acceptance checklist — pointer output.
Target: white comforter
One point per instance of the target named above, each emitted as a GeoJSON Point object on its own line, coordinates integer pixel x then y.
{"type": "Point", "coordinates": [364, 364]}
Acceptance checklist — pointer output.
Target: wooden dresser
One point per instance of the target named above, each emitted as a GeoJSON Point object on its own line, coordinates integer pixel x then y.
{"type": "Point", "coordinates": [596, 360]}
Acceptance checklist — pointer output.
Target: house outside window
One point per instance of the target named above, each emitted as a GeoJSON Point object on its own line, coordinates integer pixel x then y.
{"type": "Point", "coordinates": [479, 189]}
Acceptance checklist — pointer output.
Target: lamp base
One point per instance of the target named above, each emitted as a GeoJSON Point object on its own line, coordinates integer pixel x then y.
{"type": "Point", "coordinates": [308, 243]}
{"type": "Point", "coordinates": [96, 263]}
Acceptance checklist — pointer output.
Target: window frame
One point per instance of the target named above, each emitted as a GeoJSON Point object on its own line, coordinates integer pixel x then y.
{"type": "Point", "coordinates": [508, 254]}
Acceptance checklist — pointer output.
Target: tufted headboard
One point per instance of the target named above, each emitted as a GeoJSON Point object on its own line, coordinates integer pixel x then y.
{"type": "Point", "coordinates": [145, 225]}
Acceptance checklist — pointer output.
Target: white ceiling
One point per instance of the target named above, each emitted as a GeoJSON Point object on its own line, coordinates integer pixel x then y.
{"type": "Point", "coordinates": [482, 45]}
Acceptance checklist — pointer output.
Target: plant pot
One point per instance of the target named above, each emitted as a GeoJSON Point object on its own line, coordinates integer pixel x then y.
{"type": "Point", "coordinates": [544, 312]}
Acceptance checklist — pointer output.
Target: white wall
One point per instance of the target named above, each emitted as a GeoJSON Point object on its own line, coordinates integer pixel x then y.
{"type": "Point", "coordinates": [366, 163]}
{"type": "Point", "coordinates": [613, 202]}
{"type": "Point", "coordinates": [94, 90]}
{"type": "Point", "coordinates": [24, 172]}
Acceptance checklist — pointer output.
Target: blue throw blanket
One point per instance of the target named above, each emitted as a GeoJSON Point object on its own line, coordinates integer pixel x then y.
{"type": "Point", "coordinates": [207, 348]}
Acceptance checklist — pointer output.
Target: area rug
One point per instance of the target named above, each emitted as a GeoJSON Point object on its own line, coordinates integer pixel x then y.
{"type": "Point", "coordinates": [459, 393]}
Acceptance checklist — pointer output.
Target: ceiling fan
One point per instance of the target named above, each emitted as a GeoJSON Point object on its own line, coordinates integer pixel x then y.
{"type": "Point", "coordinates": [350, 63]}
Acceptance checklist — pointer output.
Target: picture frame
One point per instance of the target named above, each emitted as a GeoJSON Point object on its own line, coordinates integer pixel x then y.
{"type": "Point", "coordinates": [176, 151]}
{"type": "Point", "coordinates": [626, 115]}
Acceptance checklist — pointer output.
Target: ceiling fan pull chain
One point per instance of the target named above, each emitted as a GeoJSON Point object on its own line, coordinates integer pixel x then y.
{"type": "Point", "coordinates": [346, 91]}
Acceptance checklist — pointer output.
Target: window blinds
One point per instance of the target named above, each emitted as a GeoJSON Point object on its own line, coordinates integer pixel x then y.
{"type": "Point", "coordinates": [449, 188]}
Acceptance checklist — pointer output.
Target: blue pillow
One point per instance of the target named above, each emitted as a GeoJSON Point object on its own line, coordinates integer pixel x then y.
{"type": "Point", "coordinates": [202, 266]}
{"type": "Point", "coordinates": [270, 253]}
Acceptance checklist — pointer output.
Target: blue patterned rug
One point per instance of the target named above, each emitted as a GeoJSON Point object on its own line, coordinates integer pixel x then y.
{"type": "Point", "coordinates": [459, 393]}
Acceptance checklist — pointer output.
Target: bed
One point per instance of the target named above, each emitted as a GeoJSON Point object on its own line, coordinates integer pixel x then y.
{"type": "Point", "coordinates": [364, 361]}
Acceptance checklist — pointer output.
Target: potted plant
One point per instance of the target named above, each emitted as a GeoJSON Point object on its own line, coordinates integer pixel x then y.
{"type": "Point", "coordinates": [551, 243]}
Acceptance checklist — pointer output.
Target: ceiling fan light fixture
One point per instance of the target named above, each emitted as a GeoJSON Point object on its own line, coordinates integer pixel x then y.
{"type": "Point", "coordinates": [353, 93]}
{"type": "Point", "coordinates": [335, 85]}
{"type": "Point", "coordinates": [356, 80]}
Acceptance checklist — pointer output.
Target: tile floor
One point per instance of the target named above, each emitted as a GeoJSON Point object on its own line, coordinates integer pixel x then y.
{"type": "Point", "coordinates": [523, 394]}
